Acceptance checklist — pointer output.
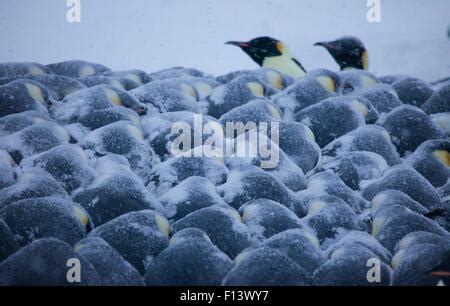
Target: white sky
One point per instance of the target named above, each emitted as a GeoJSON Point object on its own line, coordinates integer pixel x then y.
{"type": "Point", "coordinates": [156, 34]}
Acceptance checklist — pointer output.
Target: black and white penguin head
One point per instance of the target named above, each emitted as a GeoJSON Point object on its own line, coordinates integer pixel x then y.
{"type": "Point", "coordinates": [272, 53]}
{"type": "Point", "coordinates": [348, 52]}
{"type": "Point", "coordinates": [260, 48]}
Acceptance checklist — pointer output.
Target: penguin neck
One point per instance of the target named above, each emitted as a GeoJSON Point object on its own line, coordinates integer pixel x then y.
{"type": "Point", "coordinates": [354, 67]}
{"type": "Point", "coordinates": [348, 68]}
{"type": "Point", "coordinates": [351, 63]}
{"type": "Point", "coordinates": [285, 64]}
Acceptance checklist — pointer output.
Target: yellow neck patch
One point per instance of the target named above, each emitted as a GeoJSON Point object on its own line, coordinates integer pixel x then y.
{"type": "Point", "coordinates": [280, 47]}
{"type": "Point", "coordinates": [404, 243]}
{"type": "Point", "coordinates": [135, 120]}
{"type": "Point", "coordinates": [285, 64]}
{"type": "Point", "coordinates": [367, 81]}
{"type": "Point", "coordinates": [86, 71]}
{"type": "Point", "coordinates": [163, 225]}
{"type": "Point", "coordinates": [256, 89]}
{"type": "Point", "coordinates": [312, 238]}
{"type": "Point", "coordinates": [360, 107]}
{"type": "Point", "coordinates": [81, 215]}
{"type": "Point", "coordinates": [112, 96]}
{"type": "Point", "coordinates": [134, 77]}
{"type": "Point", "coordinates": [189, 90]}
{"type": "Point", "coordinates": [327, 83]}
{"type": "Point", "coordinates": [396, 259]}
{"type": "Point", "coordinates": [35, 92]}
{"type": "Point", "coordinates": [443, 156]}
{"type": "Point", "coordinates": [61, 132]}
{"type": "Point", "coordinates": [365, 60]}
{"type": "Point", "coordinates": [274, 112]}
{"type": "Point", "coordinates": [204, 88]}
{"type": "Point", "coordinates": [377, 201]}
{"type": "Point", "coordinates": [377, 225]}
{"type": "Point", "coordinates": [310, 133]}
{"type": "Point", "coordinates": [136, 132]}
{"type": "Point", "coordinates": [117, 84]}
{"type": "Point", "coordinates": [275, 79]}
{"type": "Point", "coordinates": [234, 214]}
{"type": "Point", "coordinates": [33, 70]}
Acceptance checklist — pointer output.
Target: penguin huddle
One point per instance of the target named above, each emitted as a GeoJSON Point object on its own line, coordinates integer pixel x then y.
{"type": "Point", "coordinates": [87, 172]}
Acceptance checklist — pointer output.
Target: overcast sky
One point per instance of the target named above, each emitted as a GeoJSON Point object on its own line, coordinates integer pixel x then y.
{"type": "Point", "coordinates": [154, 34]}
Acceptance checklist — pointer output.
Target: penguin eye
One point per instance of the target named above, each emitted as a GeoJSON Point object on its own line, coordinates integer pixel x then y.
{"type": "Point", "coordinates": [354, 52]}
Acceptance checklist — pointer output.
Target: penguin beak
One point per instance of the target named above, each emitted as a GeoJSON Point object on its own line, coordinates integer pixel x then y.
{"type": "Point", "coordinates": [141, 110]}
{"type": "Point", "coordinates": [325, 44]}
{"type": "Point", "coordinates": [241, 44]}
{"type": "Point", "coordinates": [440, 273]}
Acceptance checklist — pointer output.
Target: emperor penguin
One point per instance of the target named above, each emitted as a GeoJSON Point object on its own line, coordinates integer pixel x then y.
{"type": "Point", "coordinates": [272, 53]}
{"type": "Point", "coordinates": [442, 270]}
{"type": "Point", "coordinates": [348, 52]}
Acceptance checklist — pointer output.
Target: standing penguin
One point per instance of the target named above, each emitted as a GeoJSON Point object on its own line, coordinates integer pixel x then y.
{"type": "Point", "coordinates": [272, 53]}
{"type": "Point", "coordinates": [348, 52]}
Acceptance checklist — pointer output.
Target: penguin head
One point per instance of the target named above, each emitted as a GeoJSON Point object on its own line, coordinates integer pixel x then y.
{"type": "Point", "coordinates": [272, 53]}
{"type": "Point", "coordinates": [348, 52]}
{"type": "Point", "coordinates": [260, 48]}
{"type": "Point", "coordinates": [442, 270]}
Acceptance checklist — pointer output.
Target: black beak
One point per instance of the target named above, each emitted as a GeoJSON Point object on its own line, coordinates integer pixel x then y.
{"type": "Point", "coordinates": [444, 274]}
{"type": "Point", "coordinates": [324, 44]}
{"type": "Point", "coordinates": [241, 44]}
{"type": "Point", "coordinates": [141, 110]}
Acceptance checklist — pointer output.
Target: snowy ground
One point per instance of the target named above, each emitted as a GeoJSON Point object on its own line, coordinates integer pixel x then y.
{"type": "Point", "coordinates": [156, 34]}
